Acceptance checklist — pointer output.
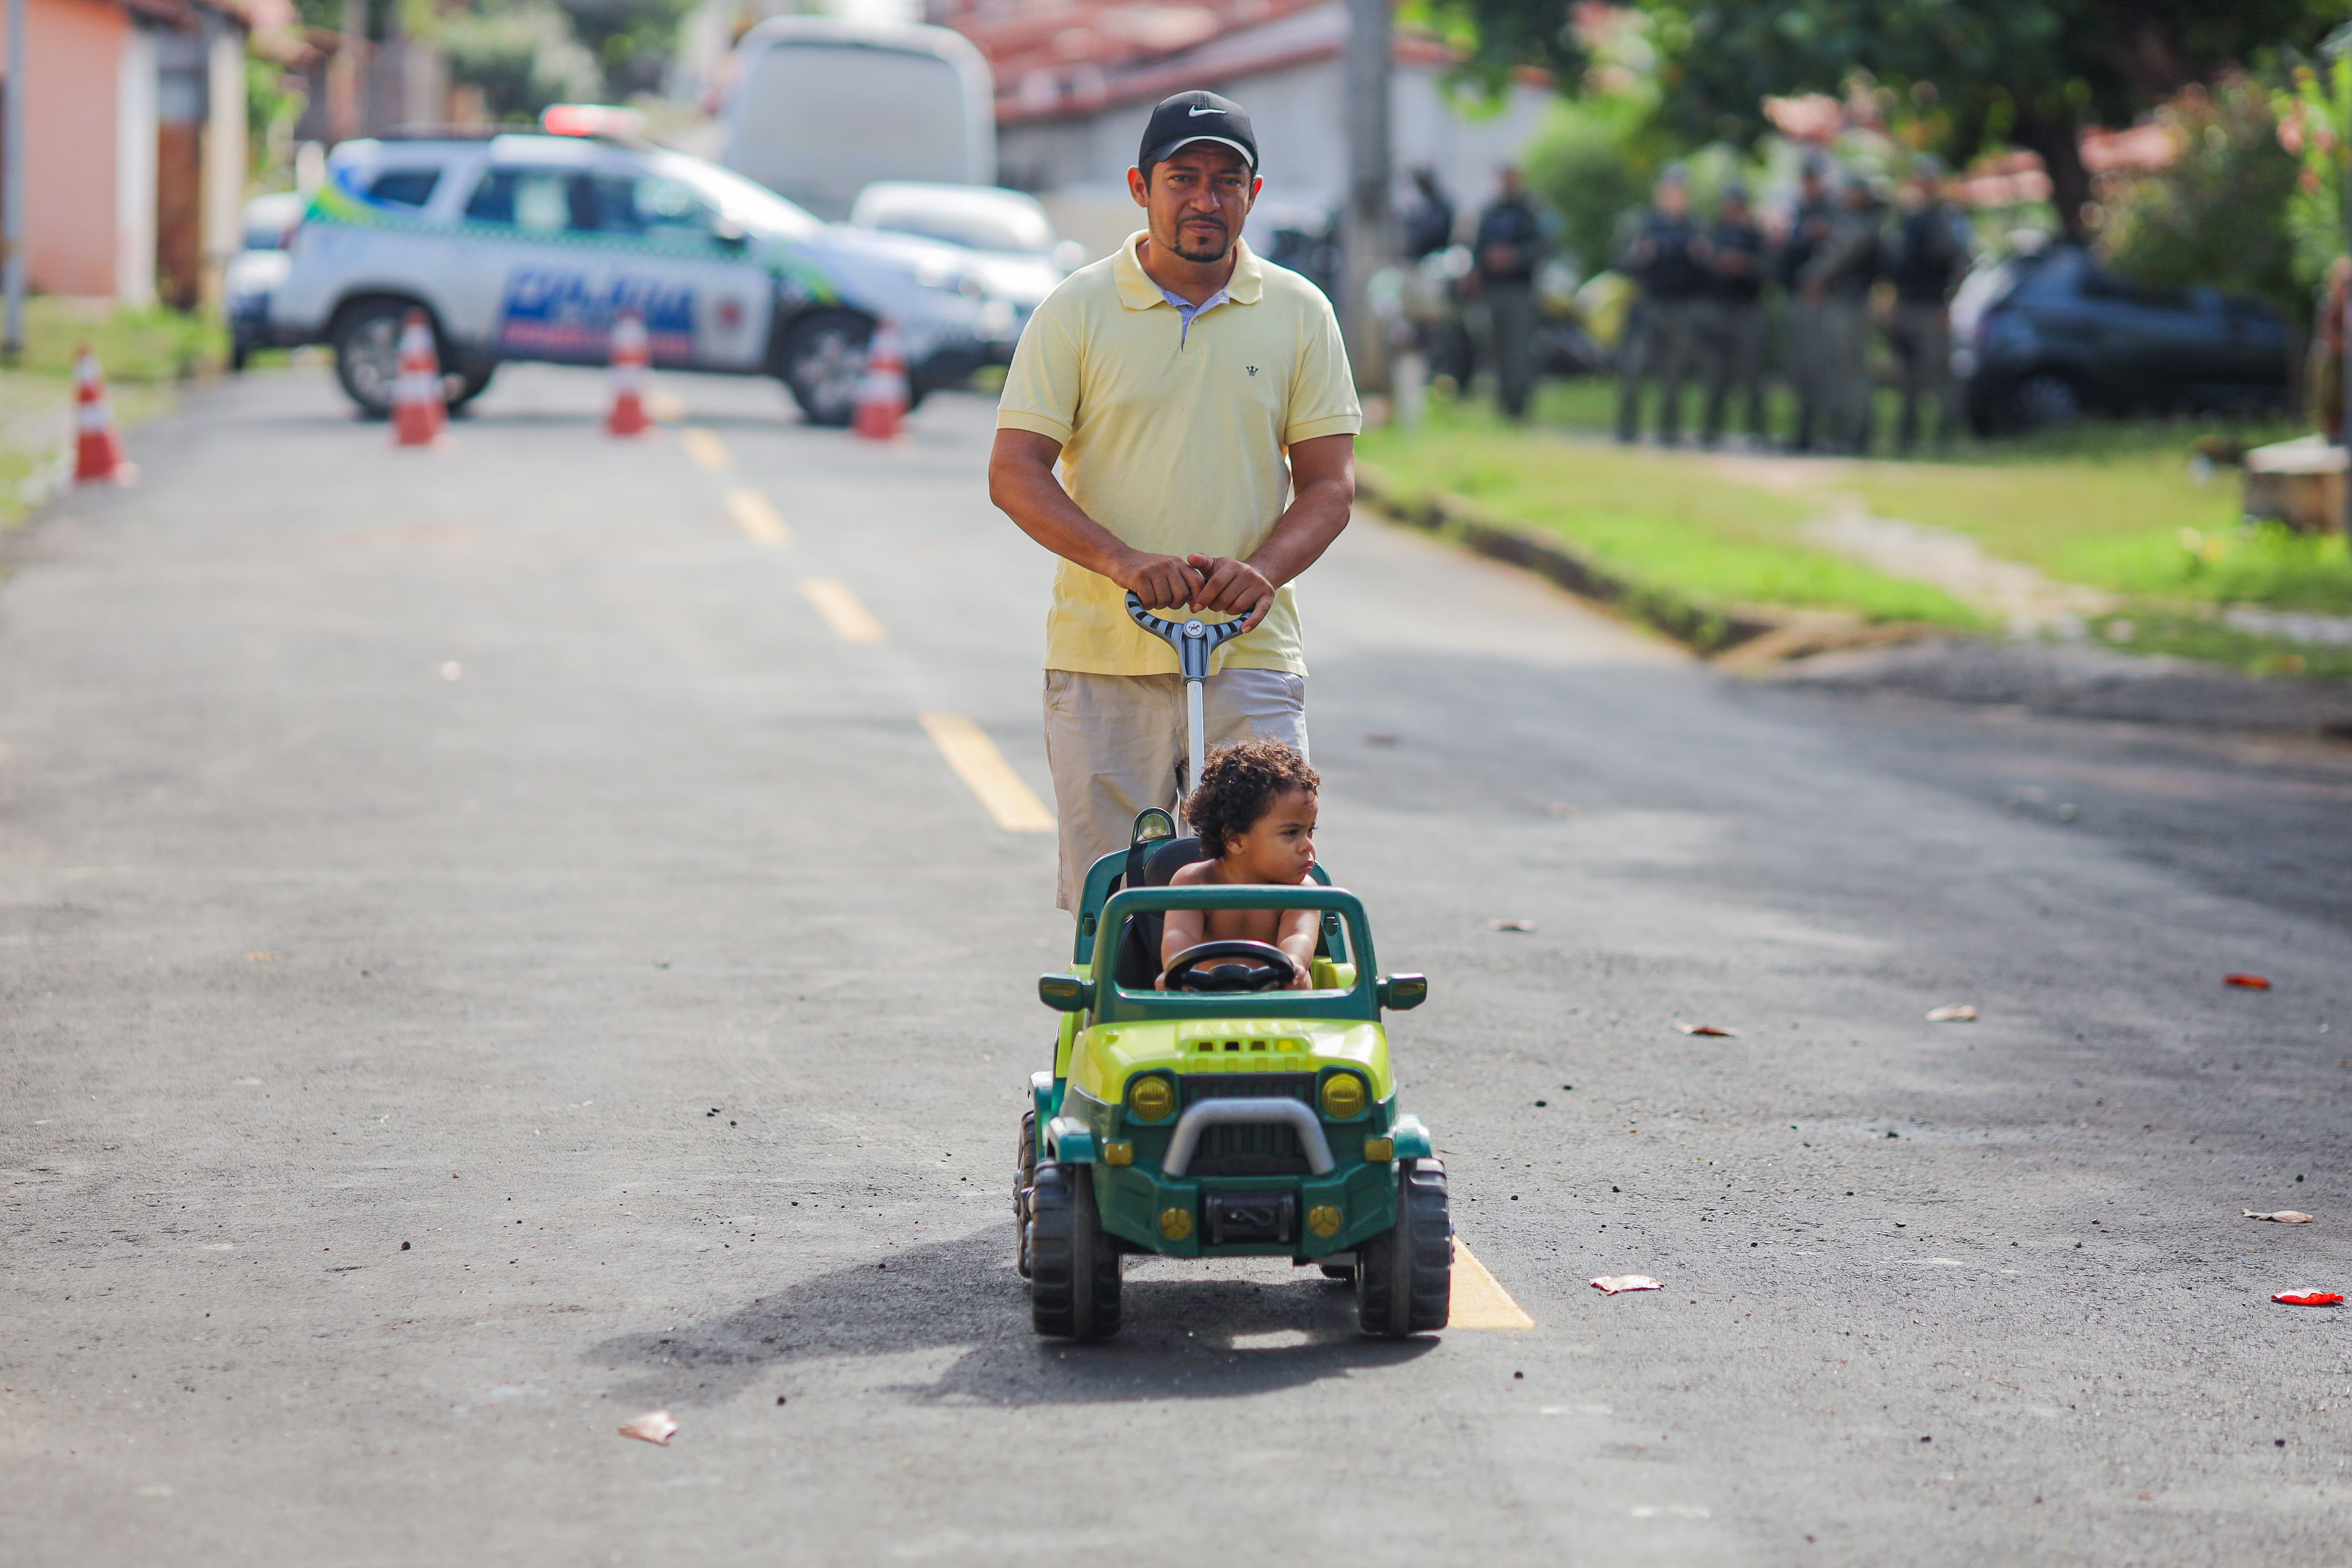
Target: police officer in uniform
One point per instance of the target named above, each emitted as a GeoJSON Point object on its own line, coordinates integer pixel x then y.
{"type": "Point", "coordinates": [1801, 346]}
{"type": "Point", "coordinates": [1666, 259]}
{"type": "Point", "coordinates": [1839, 279]}
{"type": "Point", "coordinates": [1930, 253]}
{"type": "Point", "coordinates": [1509, 246]}
{"type": "Point", "coordinates": [1731, 314]}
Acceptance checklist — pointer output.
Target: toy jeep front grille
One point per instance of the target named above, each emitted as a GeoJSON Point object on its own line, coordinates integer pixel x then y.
{"type": "Point", "coordinates": [1249, 1149]}
{"type": "Point", "coordinates": [1298, 1086]}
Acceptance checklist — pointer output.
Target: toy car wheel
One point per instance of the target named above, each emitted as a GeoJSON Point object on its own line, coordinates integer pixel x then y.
{"type": "Point", "coordinates": [1404, 1280]}
{"type": "Point", "coordinates": [1025, 1182]}
{"type": "Point", "coordinates": [1074, 1277]}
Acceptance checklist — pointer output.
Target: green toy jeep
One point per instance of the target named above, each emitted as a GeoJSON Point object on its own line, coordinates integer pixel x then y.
{"type": "Point", "coordinates": [1227, 1116]}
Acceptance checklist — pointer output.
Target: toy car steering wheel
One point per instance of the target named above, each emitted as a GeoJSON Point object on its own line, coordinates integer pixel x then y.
{"type": "Point", "coordinates": [1273, 970]}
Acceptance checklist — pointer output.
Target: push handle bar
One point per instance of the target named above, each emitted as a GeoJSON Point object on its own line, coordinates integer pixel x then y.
{"type": "Point", "coordinates": [1192, 639]}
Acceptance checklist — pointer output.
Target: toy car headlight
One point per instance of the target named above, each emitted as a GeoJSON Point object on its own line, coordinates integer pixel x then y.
{"type": "Point", "coordinates": [1343, 1097]}
{"type": "Point", "coordinates": [1151, 1098]}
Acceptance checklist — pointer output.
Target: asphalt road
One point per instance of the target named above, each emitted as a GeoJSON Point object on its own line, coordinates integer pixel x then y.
{"type": "Point", "coordinates": [483, 955]}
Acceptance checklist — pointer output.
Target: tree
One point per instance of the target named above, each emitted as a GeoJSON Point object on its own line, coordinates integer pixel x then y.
{"type": "Point", "coordinates": [2030, 72]}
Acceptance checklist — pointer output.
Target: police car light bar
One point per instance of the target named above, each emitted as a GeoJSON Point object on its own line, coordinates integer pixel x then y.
{"type": "Point", "coordinates": [591, 120]}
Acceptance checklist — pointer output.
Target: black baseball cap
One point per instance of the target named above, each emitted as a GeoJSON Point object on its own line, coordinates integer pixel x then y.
{"type": "Point", "coordinates": [1188, 117]}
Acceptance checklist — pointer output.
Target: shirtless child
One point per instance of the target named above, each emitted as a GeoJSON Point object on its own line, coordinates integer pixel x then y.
{"type": "Point", "coordinates": [1254, 812]}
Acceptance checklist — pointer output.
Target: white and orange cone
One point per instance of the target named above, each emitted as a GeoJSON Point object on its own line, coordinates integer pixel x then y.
{"type": "Point", "coordinates": [882, 390]}
{"type": "Point", "coordinates": [417, 411]}
{"type": "Point", "coordinates": [98, 444]}
{"type": "Point", "coordinates": [631, 361]}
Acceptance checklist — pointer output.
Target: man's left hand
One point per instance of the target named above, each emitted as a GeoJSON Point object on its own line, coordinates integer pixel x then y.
{"type": "Point", "coordinates": [1233, 588]}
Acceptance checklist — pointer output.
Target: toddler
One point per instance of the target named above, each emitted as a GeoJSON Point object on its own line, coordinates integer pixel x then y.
{"type": "Point", "coordinates": [1254, 813]}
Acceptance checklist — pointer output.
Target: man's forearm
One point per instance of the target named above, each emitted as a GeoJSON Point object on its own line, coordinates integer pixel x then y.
{"type": "Point", "coordinates": [1029, 494]}
{"type": "Point", "coordinates": [1316, 515]}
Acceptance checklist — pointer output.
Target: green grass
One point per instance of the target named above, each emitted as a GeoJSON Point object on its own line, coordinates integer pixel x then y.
{"type": "Point", "coordinates": [133, 346]}
{"type": "Point", "coordinates": [2198, 638]}
{"type": "Point", "coordinates": [1657, 520]}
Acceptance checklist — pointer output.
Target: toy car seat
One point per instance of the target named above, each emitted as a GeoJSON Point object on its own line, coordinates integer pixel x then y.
{"type": "Point", "coordinates": [1150, 863]}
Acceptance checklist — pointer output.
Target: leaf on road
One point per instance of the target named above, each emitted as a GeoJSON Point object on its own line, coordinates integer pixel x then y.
{"type": "Point", "coordinates": [1954, 1012]}
{"type": "Point", "coordinates": [1712, 1030]}
{"type": "Point", "coordinates": [1610, 1284]}
{"type": "Point", "coordinates": [2284, 1217]}
{"type": "Point", "coordinates": [653, 1427]}
{"type": "Point", "coordinates": [1511, 925]}
{"type": "Point", "coordinates": [2247, 982]}
{"type": "Point", "coordinates": [2308, 1299]}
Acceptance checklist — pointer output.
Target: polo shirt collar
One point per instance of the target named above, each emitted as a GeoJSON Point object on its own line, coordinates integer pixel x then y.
{"type": "Point", "coordinates": [1136, 292]}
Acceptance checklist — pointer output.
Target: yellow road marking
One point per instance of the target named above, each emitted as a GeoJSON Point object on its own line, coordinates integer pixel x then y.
{"type": "Point", "coordinates": [758, 519]}
{"type": "Point", "coordinates": [850, 621]}
{"type": "Point", "coordinates": [1479, 1300]}
{"type": "Point", "coordinates": [666, 408]}
{"type": "Point", "coordinates": [707, 451]}
{"type": "Point", "coordinates": [987, 775]}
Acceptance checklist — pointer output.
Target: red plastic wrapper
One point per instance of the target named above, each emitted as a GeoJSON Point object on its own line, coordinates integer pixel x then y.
{"type": "Point", "coordinates": [2247, 982]}
{"type": "Point", "coordinates": [2308, 1299]}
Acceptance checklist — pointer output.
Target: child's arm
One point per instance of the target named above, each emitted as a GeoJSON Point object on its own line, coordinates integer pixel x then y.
{"type": "Point", "coordinates": [1300, 930]}
{"type": "Point", "coordinates": [1180, 929]}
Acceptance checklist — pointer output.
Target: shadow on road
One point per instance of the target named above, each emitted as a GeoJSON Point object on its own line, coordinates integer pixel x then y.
{"type": "Point", "coordinates": [1178, 1341]}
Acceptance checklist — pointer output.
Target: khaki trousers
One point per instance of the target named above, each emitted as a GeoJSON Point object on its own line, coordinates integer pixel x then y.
{"type": "Point", "coordinates": [1116, 743]}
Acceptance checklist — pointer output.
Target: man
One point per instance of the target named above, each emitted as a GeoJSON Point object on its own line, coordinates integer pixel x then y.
{"type": "Point", "coordinates": [1732, 314]}
{"type": "Point", "coordinates": [1838, 279]}
{"type": "Point", "coordinates": [1166, 380]}
{"type": "Point", "coordinates": [1800, 347]}
{"type": "Point", "coordinates": [1667, 260]}
{"type": "Point", "coordinates": [1505, 254]}
{"type": "Point", "coordinates": [1931, 252]}
{"type": "Point", "coordinates": [1429, 222]}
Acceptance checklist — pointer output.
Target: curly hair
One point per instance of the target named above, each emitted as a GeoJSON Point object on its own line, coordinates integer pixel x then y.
{"type": "Point", "coordinates": [1239, 784]}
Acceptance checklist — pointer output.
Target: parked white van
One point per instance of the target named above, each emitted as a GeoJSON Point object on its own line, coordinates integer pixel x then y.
{"type": "Point", "coordinates": [821, 108]}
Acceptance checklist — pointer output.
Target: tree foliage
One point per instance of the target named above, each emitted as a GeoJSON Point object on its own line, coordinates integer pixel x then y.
{"type": "Point", "coordinates": [2032, 72]}
{"type": "Point", "coordinates": [2218, 214]}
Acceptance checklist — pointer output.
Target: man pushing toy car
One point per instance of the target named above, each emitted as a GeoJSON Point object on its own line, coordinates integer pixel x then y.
{"type": "Point", "coordinates": [1169, 381]}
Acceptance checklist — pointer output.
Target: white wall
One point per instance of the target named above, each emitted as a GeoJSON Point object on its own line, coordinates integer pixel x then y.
{"type": "Point", "coordinates": [1079, 166]}
{"type": "Point", "coordinates": [135, 170]}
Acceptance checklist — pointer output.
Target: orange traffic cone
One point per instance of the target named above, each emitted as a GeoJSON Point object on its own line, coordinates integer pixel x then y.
{"type": "Point", "coordinates": [417, 413]}
{"type": "Point", "coordinates": [630, 359]}
{"type": "Point", "coordinates": [882, 390]}
{"type": "Point", "coordinates": [98, 444]}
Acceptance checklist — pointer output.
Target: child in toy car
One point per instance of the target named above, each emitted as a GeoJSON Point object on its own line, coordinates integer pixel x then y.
{"type": "Point", "coordinates": [1255, 815]}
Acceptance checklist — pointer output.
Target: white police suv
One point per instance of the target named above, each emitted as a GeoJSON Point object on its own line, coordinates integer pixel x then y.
{"type": "Point", "coordinates": [526, 246]}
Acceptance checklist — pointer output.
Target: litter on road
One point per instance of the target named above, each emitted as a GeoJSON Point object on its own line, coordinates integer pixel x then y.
{"type": "Point", "coordinates": [1611, 1284]}
{"type": "Point", "coordinates": [1712, 1030]}
{"type": "Point", "coordinates": [1511, 925]}
{"type": "Point", "coordinates": [653, 1427]}
{"type": "Point", "coordinates": [2308, 1299]}
{"type": "Point", "coordinates": [1952, 1013]}
{"type": "Point", "coordinates": [2284, 1217]}
{"type": "Point", "coordinates": [2247, 982]}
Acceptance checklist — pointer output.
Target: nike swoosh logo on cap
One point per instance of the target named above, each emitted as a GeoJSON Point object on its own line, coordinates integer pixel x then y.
{"type": "Point", "coordinates": [1195, 112]}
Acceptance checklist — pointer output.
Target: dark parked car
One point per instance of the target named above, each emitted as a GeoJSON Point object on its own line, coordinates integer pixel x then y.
{"type": "Point", "coordinates": [2040, 338]}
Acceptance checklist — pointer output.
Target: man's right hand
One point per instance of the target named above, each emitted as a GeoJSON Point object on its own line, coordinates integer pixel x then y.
{"type": "Point", "coordinates": [1161, 581]}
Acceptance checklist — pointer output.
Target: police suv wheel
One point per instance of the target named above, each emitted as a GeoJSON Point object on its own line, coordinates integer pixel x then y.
{"type": "Point", "coordinates": [823, 358]}
{"type": "Point", "coordinates": [367, 354]}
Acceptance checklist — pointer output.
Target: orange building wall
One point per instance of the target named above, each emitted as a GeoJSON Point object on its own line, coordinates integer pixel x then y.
{"type": "Point", "coordinates": [74, 49]}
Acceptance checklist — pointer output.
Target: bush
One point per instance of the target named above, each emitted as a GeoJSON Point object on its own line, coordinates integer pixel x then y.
{"type": "Point", "coordinates": [2217, 216]}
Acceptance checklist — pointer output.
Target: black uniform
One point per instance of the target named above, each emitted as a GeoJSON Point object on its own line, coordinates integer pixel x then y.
{"type": "Point", "coordinates": [1929, 255]}
{"type": "Point", "coordinates": [1731, 323]}
{"type": "Point", "coordinates": [1509, 245]}
{"type": "Point", "coordinates": [1667, 258]}
{"type": "Point", "coordinates": [1802, 353]}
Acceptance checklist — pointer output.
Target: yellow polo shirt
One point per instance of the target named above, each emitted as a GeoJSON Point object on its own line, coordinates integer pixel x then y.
{"type": "Point", "coordinates": [1173, 438]}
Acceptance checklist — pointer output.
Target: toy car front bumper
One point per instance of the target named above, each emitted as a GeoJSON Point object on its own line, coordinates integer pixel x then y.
{"type": "Point", "coordinates": [1246, 1216]}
